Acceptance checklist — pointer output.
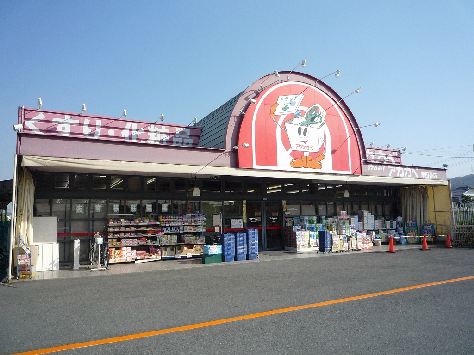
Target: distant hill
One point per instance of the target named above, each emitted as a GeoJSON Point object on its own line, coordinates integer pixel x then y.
{"type": "Point", "coordinates": [467, 180]}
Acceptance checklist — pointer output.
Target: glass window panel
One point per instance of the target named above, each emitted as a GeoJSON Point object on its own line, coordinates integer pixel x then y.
{"type": "Point", "coordinates": [61, 181]}
{"type": "Point", "coordinates": [272, 188]}
{"type": "Point", "coordinates": [307, 209]}
{"type": "Point", "coordinates": [79, 227]}
{"type": "Point", "coordinates": [116, 182]}
{"type": "Point", "coordinates": [211, 185]}
{"type": "Point", "coordinates": [80, 209]}
{"type": "Point", "coordinates": [379, 209]}
{"type": "Point", "coordinates": [322, 210]}
{"type": "Point", "coordinates": [98, 226]}
{"type": "Point", "coordinates": [42, 208]}
{"type": "Point", "coordinates": [99, 182]}
{"type": "Point", "coordinates": [233, 209]}
{"type": "Point", "coordinates": [61, 208]}
{"type": "Point", "coordinates": [233, 186]}
{"type": "Point", "coordinates": [179, 207]}
{"type": "Point", "coordinates": [193, 206]}
{"type": "Point", "coordinates": [150, 183]}
{"type": "Point", "coordinates": [164, 207]}
{"type": "Point", "coordinates": [293, 209]}
{"type": "Point", "coordinates": [164, 185]}
{"type": "Point", "coordinates": [133, 207]}
{"type": "Point", "coordinates": [179, 184]}
{"type": "Point", "coordinates": [43, 181]}
{"type": "Point", "coordinates": [133, 183]}
{"type": "Point", "coordinates": [115, 207]}
{"type": "Point", "coordinates": [364, 206]}
{"type": "Point", "coordinates": [291, 188]}
{"type": "Point", "coordinates": [209, 208]}
{"type": "Point", "coordinates": [98, 209]}
{"type": "Point", "coordinates": [254, 187]}
{"type": "Point", "coordinates": [81, 182]}
{"type": "Point", "coordinates": [331, 209]}
{"type": "Point", "coordinates": [149, 209]}
{"type": "Point", "coordinates": [63, 227]}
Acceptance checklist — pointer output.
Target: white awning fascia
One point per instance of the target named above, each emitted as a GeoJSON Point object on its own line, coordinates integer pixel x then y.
{"type": "Point", "coordinates": [137, 168]}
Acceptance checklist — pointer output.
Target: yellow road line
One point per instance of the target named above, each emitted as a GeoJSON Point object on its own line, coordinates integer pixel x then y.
{"type": "Point", "coordinates": [228, 320]}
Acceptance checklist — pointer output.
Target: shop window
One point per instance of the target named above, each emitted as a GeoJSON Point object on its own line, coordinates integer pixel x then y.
{"type": "Point", "coordinates": [115, 207]}
{"type": "Point", "coordinates": [61, 181]}
{"type": "Point", "coordinates": [42, 208]}
{"type": "Point", "coordinates": [254, 187]}
{"type": "Point", "coordinates": [99, 182]}
{"type": "Point", "coordinates": [164, 206]}
{"type": "Point", "coordinates": [133, 183]}
{"type": "Point", "coordinates": [179, 184]}
{"type": "Point", "coordinates": [116, 182]}
{"type": "Point", "coordinates": [233, 208]}
{"type": "Point", "coordinates": [98, 226]}
{"type": "Point", "coordinates": [193, 206]}
{"type": "Point", "coordinates": [164, 185]}
{"type": "Point", "coordinates": [272, 188]}
{"type": "Point", "coordinates": [80, 227]}
{"type": "Point", "coordinates": [293, 210]}
{"type": "Point", "coordinates": [331, 209]}
{"type": "Point", "coordinates": [355, 207]}
{"type": "Point", "coordinates": [61, 208]}
{"type": "Point", "coordinates": [43, 181]}
{"type": "Point", "coordinates": [233, 186]}
{"type": "Point", "coordinates": [372, 208]}
{"type": "Point", "coordinates": [211, 185]}
{"type": "Point", "coordinates": [63, 228]}
{"type": "Point", "coordinates": [307, 208]}
{"type": "Point", "coordinates": [81, 182]}
{"type": "Point", "coordinates": [209, 209]}
{"type": "Point", "coordinates": [80, 209]}
{"type": "Point", "coordinates": [150, 183]}
{"type": "Point", "coordinates": [98, 209]}
{"type": "Point", "coordinates": [379, 210]}
{"type": "Point", "coordinates": [291, 188]}
{"type": "Point", "coordinates": [149, 208]}
{"type": "Point", "coordinates": [179, 207]}
{"type": "Point", "coordinates": [133, 207]}
{"type": "Point", "coordinates": [364, 206]}
{"type": "Point", "coordinates": [322, 210]}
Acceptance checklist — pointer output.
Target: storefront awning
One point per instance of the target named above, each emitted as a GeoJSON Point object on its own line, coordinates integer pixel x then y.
{"type": "Point", "coordinates": [190, 171]}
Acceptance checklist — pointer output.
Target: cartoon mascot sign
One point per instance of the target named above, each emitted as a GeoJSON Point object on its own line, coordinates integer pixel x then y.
{"type": "Point", "coordinates": [296, 127]}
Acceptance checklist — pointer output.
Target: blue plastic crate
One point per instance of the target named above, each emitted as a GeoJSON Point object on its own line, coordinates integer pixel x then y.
{"type": "Point", "coordinates": [252, 256]}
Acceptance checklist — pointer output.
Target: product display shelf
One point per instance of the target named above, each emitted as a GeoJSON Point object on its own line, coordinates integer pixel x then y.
{"type": "Point", "coordinates": [132, 240]}
{"type": "Point", "coordinates": [182, 235]}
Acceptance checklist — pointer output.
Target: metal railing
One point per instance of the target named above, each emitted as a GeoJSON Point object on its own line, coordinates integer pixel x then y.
{"type": "Point", "coordinates": [462, 225]}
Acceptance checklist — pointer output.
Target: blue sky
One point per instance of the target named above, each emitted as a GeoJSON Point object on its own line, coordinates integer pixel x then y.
{"type": "Point", "coordinates": [413, 59]}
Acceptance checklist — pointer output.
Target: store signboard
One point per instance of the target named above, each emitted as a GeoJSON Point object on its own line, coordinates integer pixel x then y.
{"type": "Point", "coordinates": [294, 126]}
{"type": "Point", "coordinates": [383, 156]}
{"type": "Point", "coordinates": [73, 125]}
{"type": "Point", "coordinates": [412, 172]}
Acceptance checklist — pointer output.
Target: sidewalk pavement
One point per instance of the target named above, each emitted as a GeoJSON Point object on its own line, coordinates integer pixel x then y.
{"type": "Point", "coordinates": [163, 265]}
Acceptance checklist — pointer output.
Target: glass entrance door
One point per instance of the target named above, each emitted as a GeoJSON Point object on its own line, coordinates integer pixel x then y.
{"type": "Point", "coordinates": [254, 220]}
{"type": "Point", "coordinates": [266, 217]}
{"type": "Point", "coordinates": [273, 226]}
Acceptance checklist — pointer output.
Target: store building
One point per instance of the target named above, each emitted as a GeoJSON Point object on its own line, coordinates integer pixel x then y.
{"type": "Point", "coordinates": [285, 147]}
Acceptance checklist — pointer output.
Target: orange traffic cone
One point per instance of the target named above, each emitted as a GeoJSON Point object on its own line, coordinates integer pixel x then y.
{"type": "Point", "coordinates": [448, 242]}
{"type": "Point", "coordinates": [391, 248]}
{"type": "Point", "coordinates": [425, 245]}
